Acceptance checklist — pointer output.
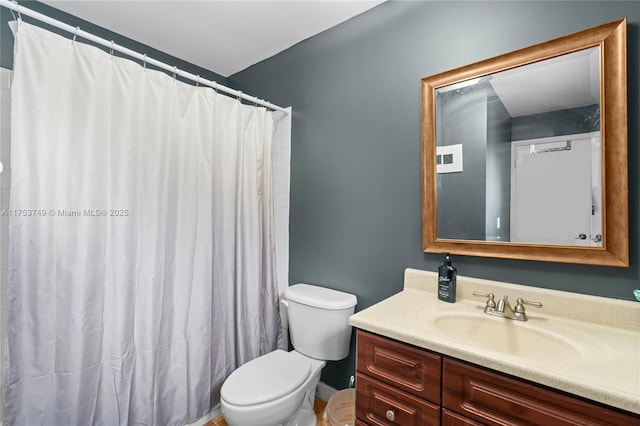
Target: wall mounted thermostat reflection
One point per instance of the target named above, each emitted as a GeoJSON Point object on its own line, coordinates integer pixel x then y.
{"type": "Point", "coordinates": [449, 158]}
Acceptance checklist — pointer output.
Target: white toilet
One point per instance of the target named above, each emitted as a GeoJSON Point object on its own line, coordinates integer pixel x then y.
{"type": "Point", "coordinates": [279, 388]}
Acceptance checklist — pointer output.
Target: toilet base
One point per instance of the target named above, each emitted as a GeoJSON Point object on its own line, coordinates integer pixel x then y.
{"type": "Point", "coordinates": [296, 409]}
{"type": "Point", "coordinates": [306, 415]}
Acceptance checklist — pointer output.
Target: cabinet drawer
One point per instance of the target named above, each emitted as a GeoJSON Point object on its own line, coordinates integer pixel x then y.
{"type": "Point", "coordinates": [495, 399]}
{"type": "Point", "coordinates": [449, 418]}
{"type": "Point", "coordinates": [380, 404]}
{"type": "Point", "coordinates": [410, 369]}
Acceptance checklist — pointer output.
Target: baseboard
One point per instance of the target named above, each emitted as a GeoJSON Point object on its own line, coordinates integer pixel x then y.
{"type": "Point", "coordinates": [324, 391]}
{"type": "Point", "coordinates": [212, 414]}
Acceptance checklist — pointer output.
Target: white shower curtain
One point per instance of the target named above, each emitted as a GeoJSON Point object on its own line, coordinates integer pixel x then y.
{"type": "Point", "coordinates": [141, 261]}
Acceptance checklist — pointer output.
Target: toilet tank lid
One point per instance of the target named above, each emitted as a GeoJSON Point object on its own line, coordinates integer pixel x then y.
{"type": "Point", "coordinates": [320, 297]}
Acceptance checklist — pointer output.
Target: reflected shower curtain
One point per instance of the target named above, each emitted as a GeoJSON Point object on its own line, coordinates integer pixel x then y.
{"type": "Point", "coordinates": [142, 260]}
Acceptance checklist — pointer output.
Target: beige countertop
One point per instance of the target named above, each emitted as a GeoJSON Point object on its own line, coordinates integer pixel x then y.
{"type": "Point", "coordinates": [598, 339]}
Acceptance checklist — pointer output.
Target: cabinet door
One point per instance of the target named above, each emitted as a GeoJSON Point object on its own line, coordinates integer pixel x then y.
{"type": "Point", "coordinates": [410, 369]}
{"type": "Point", "coordinates": [495, 399]}
{"type": "Point", "coordinates": [380, 404]}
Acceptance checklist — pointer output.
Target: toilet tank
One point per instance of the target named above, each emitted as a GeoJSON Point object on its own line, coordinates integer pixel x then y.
{"type": "Point", "coordinates": [319, 321]}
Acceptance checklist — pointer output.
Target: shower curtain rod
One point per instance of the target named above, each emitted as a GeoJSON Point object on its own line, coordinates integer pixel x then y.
{"type": "Point", "coordinates": [77, 32]}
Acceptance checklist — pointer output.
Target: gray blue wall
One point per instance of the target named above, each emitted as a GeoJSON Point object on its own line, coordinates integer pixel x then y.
{"type": "Point", "coordinates": [355, 181]}
{"type": "Point", "coordinates": [464, 114]}
{"type": "Point", "coordinates": [498, 171]}
{"type": "Point", "coordinates": [556, 123]}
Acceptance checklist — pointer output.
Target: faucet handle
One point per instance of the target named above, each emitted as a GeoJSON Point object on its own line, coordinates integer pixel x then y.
{"type": "Point", "coordinates": [520, 302]}
{"type": "Point", "coordinates": [491, 303]}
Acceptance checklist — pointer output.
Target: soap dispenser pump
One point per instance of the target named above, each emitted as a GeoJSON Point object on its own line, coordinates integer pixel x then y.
{"type": "Point", "coordinates": [447, 281]}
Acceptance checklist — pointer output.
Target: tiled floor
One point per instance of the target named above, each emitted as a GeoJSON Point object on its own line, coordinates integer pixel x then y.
{"type": "Point", "coordinates": [318, 407]}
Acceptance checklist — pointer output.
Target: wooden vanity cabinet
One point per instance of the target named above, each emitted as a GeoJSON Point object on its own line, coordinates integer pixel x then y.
{"type": "Point", "coordinates": [396, 384]}
{"type": "Point", "coordinates": [399, 384]}
{"type": "Point", "coordinates": [382, 404]}
{"type": "Point", "coordinates": [493, 398]}
{"type": "Point", "coordinates": [449, 418]}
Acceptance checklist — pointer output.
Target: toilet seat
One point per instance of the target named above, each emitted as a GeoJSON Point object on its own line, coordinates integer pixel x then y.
{"type": "Point", "coordinates": [266, 378]}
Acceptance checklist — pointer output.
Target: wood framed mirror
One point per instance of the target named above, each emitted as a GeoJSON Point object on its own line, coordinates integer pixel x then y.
{"type": "Point", "coordinates": [524, 155]}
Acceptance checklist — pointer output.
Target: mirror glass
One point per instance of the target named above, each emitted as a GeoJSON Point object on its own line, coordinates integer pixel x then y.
{"type": "Point", "coordinates": [521, 147]}
{"type": "Point", "coordinates": [524, 155]}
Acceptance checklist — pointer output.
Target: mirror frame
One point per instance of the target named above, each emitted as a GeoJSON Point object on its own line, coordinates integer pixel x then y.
{"type": "Point", "coordinates": [612, 40]}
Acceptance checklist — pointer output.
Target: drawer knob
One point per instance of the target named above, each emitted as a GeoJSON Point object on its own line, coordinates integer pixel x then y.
{"type": "Point", "coordinates": [391, 416]}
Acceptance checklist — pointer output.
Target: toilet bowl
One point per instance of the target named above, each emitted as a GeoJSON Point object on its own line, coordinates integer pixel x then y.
{"type": "Point", "coordinates": [275, 389]}
{"type": "Point", "coordinates": [278, 388]}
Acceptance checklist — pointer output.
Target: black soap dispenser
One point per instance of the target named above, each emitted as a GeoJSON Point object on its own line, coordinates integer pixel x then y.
{"type": "Point", "coordinates": [447, 281]}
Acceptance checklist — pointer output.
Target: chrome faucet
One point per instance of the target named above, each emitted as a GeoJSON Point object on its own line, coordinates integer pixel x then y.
{"type": "Point", "coordinates": [504, 309]}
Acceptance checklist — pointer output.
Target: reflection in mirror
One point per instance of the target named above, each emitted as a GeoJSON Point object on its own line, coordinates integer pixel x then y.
{"type": "Point", "coordinates": [521, 147]}
{"type": "Point", "coordinates": [524, 155]}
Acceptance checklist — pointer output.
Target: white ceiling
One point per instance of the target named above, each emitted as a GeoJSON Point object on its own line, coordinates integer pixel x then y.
{"type": "Point", "coordinates": [565, 82]}
{"type": "Point", "coordinates": [222, 36]}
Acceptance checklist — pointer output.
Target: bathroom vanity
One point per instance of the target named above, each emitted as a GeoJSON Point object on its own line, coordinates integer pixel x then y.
{"type": "Point", "coordinates": [421, 361]}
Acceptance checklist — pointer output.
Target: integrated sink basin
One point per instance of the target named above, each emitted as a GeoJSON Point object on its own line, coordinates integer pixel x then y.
{"type": "Point", "coordinates": [585, 345]}
{"type": "Point", "coordinates": [507, 336]}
